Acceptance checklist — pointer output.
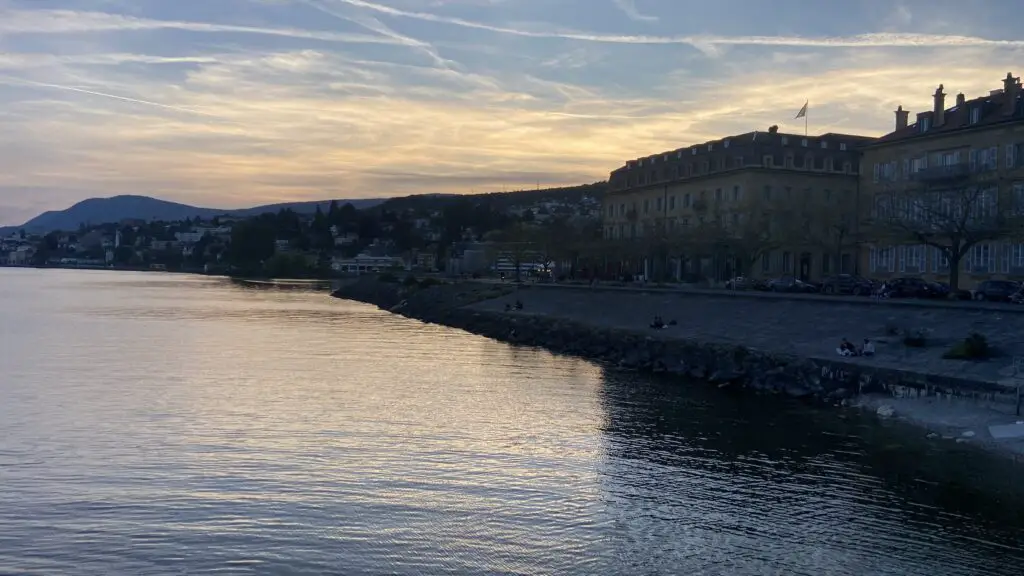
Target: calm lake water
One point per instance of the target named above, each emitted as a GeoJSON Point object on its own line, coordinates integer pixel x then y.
{"type": "Point", "coordinates": [160, 424]}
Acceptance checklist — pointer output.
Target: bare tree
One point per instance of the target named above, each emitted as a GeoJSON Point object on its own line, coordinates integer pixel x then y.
{"type": "Point", "coordinates": [750, 232]}
{"type": "Point", "coordinates": [953, 218]}
{"type": "Point", "coordinates": [515, 243]}
{"type": "Point", "coordinates": [829, 221]}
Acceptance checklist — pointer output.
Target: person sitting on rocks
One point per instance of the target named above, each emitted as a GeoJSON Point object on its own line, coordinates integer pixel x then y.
{"type": "Point", "coordinates": [846, 348]}
{"type": "Point", "coordinates": [657, 323]}
{"type": "Point", "coordinates": [869, 348]}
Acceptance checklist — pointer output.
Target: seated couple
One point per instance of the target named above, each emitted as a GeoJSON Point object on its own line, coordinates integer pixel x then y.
{"type": "Point", "coordinates": [846, 348]}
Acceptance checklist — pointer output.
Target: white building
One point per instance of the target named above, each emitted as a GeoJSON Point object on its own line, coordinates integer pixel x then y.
{"type": "Point", "coordinates": [363, 263]}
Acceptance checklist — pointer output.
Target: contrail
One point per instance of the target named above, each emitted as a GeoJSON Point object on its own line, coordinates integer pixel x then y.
{"type": "Point", "coordinates": [105, 95]}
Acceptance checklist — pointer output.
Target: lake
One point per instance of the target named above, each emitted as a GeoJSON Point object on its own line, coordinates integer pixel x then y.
{"type": "Point", "coordinates": [171, 424]}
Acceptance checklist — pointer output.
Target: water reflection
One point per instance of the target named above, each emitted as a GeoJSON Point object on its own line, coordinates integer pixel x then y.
{"type": "Point", "coordinates": [772, 487]}
{"type": "Point", "coordinates": [156, 424]}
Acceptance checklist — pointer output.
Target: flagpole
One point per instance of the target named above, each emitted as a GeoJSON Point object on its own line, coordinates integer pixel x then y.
{"type": "Point", "coordinates": [805, 116]}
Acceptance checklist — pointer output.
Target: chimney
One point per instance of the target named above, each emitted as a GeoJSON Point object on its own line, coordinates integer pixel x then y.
{"type": "Point", "coordinates": [961, 100]}
{"type": "Point", "coordinates": [939, 112]}
{"type": "Point", "coordinates": [901, 118]}
{"type": "Point", "coordinates": [1011, 88]}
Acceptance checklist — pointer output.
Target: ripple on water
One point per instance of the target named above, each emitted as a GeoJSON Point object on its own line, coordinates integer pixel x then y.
{"type": "Point", "coordinates": [175, 425]}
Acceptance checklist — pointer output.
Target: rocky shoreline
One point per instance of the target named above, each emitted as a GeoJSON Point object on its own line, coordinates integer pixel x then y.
{"type": "Point", "coordinates": [478, 308]}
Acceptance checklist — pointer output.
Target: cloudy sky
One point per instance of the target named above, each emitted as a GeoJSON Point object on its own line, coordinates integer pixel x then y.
{"type": "Point", "coordinates": [239, 102]}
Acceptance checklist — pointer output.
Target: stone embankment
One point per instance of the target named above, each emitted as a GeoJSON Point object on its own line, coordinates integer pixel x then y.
{"type": "Point", "coordinates": [777, 345]}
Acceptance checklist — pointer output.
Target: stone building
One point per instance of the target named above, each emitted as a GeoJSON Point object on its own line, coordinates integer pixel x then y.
{"type": "Point", "coordinates": [759, 204]}
{"type": "Point", "coordinates": [948, 188]}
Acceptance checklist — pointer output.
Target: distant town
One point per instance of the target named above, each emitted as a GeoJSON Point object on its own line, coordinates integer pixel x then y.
{"type": "Point", "coordinates": [458, 234]}
{"type": "Point", "coordinates": [940, 199]}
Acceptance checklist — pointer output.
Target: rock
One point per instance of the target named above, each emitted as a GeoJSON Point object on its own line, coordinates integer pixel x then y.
{"type": "Point", "coordinates": [932, 436]}
{"type": "Point", "coordinates": [886, 411]}
{"type": "Point", "coordinates": [968, 434]}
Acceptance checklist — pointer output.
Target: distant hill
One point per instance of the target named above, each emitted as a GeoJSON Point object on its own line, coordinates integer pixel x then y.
{"type": "Point", "coordinates": [499, 200]}
{"type": "Point", "coordinates": [117, 208]}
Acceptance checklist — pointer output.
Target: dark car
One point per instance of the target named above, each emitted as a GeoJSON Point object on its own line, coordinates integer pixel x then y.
{"type": "Point", "coordinates": [908, 288]}
{"type": "Point", "coordinates": [996, 290]}
{"type": "Point", "coordinates": [791, 284]}
{"type": "Point", "coordinates": [744, 283]}
{"type": "Point", "coordinates": [847, 284]}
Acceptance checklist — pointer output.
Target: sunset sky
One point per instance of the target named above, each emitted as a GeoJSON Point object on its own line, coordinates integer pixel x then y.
{"type": "Point", "coordinates": [233, 103]}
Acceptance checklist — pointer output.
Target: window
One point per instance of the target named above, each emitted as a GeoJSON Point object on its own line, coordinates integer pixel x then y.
{"type": "Point", "coordinates": [622, 209]}
{"type": "Point", "coordinates": [647, 206]}
{"type": "Point", "coordinates": [718, 195]}
{"type": "Point", "coordinates": [710, 147]}
{"type": "Point", "coordinates": [940, 262]}
{"type": "Point", "coordinates": [686, 200]}
{"type": "Point", "coordinates": [611, 211]}
{"type": "Point", "coordinates": [767, 192]}
{"type": "Point", "coordinates": [785, 140]}
{"type": "Point", "coordinates": [828, 195]}
{"type": "Point", "coordinates": [685, 222]}
{"type": "Point", "coordinates": [736, 193]}
{"type": "Point", "coordinates": [726, 143]}
{"type": "Point", "coordinates": [980, 260]}
{"type": "Point", "coordinates": [842, 146]}
{"type": "Point", "coordinates": [881, 260]}
{"type": "Point", "coordinates": [693, 151]}
{"type": "Point", "coordinates": [1013, 259]}
{"type": "Point", "coordinates": [984, 160]}
{"type": "Point", "coordinates": [789, 160]}
{"type": "Point", "coordinates": [1011, 155]}
{"type": "Point", "coordinates": [658, 208]}
{"type": "Point", "coordinates": [766, 262]}
{"type": "Point", "coordinates": [735, 219]}
{"type": "Point", "coordinates": [671, 202]}
{"type": "Point", "coordinates": [767, 161]}
{"type": "Point", "coordinates": [789, 192]}
{"type": "Point", "coordinates": [787, 262]}
{"type": "Point", "coordinates": [925, 124]}
{"type": "Point", "coordinates": [803, 142]}
{"type": "Point", "coordinates": [826, 262]}
{"type": "Point", "coordinates": [824, 144]}
{"type": "Point", "coordinates": [700, 220]}
{"type": "Point", "coordinates": [847, 167]}
{"type": "Point", "coordinates": [738, 162]}
{"type": "Point", "coordinates": [1018, 198]}
{"type": "Point", "coordinates": [975, 114]}
{"type": "Point", "coordinates": [912, 259]}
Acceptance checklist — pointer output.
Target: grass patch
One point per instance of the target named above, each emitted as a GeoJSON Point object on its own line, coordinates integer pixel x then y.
{"type": "Point", "coordinates": [974, 347]}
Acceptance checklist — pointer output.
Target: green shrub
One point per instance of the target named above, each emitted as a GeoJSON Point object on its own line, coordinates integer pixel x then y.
{"type": "Point", "coordinates": [974, 347]}
{"type": "Point", "coordinates": [410, 280]}
{"type": "Point", "coordinates": [387, 277]}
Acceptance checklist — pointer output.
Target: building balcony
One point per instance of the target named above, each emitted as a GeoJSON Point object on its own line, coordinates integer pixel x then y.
{"type": "Point", "coordinates": [939, 174]}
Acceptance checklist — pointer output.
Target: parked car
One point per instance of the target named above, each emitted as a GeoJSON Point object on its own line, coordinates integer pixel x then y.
{"type": "Point", "coordinates": [996, 290]}
{"type": "Point", "coordinates": [744, 283]}
{"type": "Point", "coordinates": [908, 288]}
{"type": "Point", "coordinates": [847, 284]}
{"type": "Point", "coordinates": [791, 284]}
{"type": "Point", "coordinates": [942, 290]}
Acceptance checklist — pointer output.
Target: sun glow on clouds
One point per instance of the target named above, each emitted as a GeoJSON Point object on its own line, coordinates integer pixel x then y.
{"type": "Point", "coordinates": [248, 101]}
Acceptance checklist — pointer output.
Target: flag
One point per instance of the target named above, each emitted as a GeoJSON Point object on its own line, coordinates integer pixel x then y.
{"type": "Point", "coordinates": [803, 111]}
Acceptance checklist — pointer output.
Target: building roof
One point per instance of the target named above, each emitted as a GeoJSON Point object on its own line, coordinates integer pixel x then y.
{"type": "Point", "coordinates": [714, 146]}
{"type": "Point", "coordinates": [958, 117]}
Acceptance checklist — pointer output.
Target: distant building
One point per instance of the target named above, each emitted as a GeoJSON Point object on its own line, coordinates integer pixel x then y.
{"type": "Point", "coordinates": [365, 263]}
{"type": "Point", "coordinates": [690, 209]}
{"type": "Point", "coordinates": [955, 173]}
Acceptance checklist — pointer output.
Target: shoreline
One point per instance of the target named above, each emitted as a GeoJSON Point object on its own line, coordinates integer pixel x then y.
{"type": "Point", "coordinates": [945, 408]}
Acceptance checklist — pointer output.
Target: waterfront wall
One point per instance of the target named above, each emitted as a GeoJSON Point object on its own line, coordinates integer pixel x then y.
{"type": "Point", "coordinates": [775, 345]}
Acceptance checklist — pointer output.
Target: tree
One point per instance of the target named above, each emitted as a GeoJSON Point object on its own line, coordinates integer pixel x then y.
{"type": "Point", "coordinates": [514, 243]}
{"type": "Point", "coordinates": [950, 216]}
{"type": "Point", "coordinates": [830, 222]}
{"type": "Point", "coordinates": [750, 234]}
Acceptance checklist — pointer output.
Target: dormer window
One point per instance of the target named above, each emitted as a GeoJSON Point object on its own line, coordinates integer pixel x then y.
{"type": "Point", "coordinates": [693, 151]}
{"type": "Point", "coordinates": [824, 144]}
{"type": "Point", "coordinates": [726, 144]}
{"type": "Point", "coordinates": [785, 140]}
{"type": "Point", "coordinates": [710, 147]}
{"type": "Point", "coordinates": [925, 124]}
{"type": "Point", "coordinates": [803, 142]}
{"type": "Point", "coordinates": [842, 146]}
{"type": "Point", "coordinates": [641, 161]}
{"type": "Point", "coordinates": [679, 154]}
{"type": "Point", "coordinates": [975, 114]}
{"type": "Point", "coordinates": [665, 158]}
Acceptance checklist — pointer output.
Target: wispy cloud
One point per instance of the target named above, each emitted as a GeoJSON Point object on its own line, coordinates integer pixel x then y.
{"type": "Point", "coordinates": [629, 8]}
{"type": "Point", "coordinates": [241, 102]}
